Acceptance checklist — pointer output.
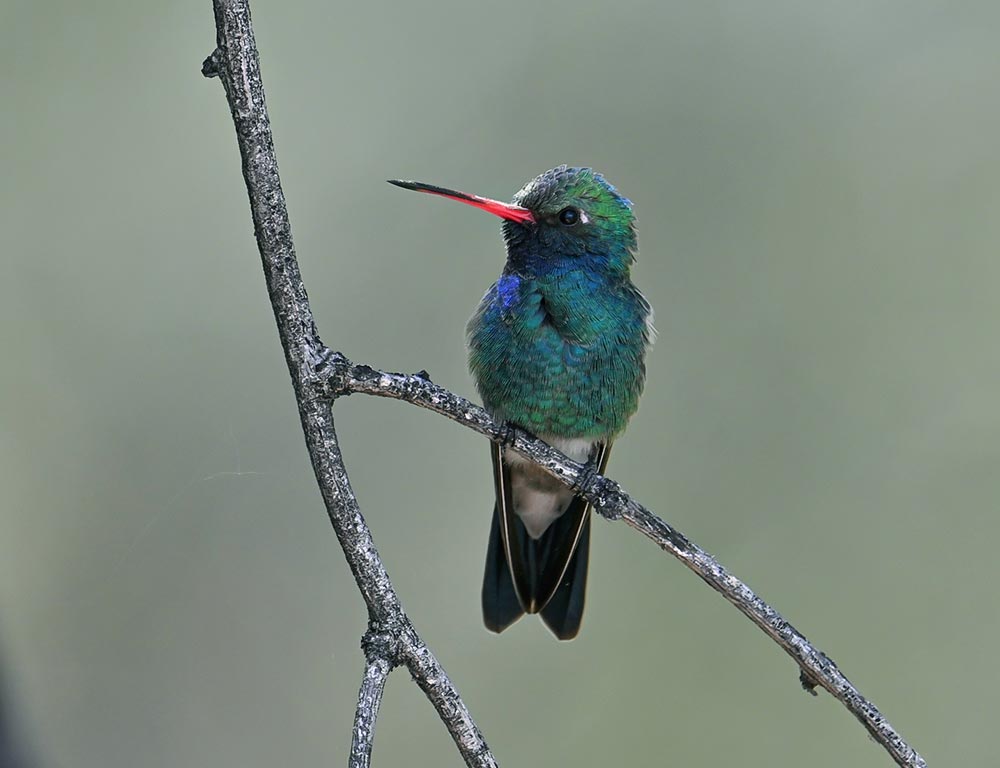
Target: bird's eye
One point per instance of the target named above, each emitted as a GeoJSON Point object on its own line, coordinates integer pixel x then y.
{"type": "Point", "coordinates": [569, 216]}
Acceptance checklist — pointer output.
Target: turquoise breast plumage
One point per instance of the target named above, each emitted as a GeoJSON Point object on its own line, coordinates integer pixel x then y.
{"type": "Point", "coordinates": [571, 366]}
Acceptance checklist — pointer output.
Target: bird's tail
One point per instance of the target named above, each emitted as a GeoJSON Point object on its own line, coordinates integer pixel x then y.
{"type": "Point", "coordinates": [562, 609]}
{"type": "Point", "coordinates": [501, 606]}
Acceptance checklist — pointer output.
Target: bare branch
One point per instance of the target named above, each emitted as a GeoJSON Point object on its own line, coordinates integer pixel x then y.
{"type": "Point", "coordinates": [430, 676]}
{"type": "Point", "coordinates": [236, 63]}
{"type": "Point", "coordinates": [320, 376]}
{"type": "Point", "coordinates": [369, 700]}
{"type": "Point", "coordinates": [608, 498]}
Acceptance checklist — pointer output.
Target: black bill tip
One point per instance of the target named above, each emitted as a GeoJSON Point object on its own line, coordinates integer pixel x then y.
{"type": "Point", "coordinates": [419, 186]}
{"type": "Point", "coordinates": [405, 184]}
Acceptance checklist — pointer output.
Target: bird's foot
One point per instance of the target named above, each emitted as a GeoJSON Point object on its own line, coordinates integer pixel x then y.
{"type": "Point", "coordinates": [506, 434]}
{"type": "Point", "coordinates": [585, 479]}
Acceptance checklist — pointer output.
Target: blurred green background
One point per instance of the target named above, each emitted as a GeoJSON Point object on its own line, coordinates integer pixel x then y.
{"type": "Point", "coordinates": [817, 187]}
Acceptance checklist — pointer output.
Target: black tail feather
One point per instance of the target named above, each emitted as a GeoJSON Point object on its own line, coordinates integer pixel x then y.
{"type": "Point", "coordinates": [501, 608]}
{"type": "Point", "coordinates": [564, 611]}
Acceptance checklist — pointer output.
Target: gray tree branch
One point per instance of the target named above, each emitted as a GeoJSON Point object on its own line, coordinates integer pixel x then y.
{"type": "Point", "coordinates": [320, 376]}
{"type": "Point", "coordinates": [816, 669]}
{"type": "Point", "coordinates": [236, 63]}
{"type": "Point", "coordinates": [369, 700]}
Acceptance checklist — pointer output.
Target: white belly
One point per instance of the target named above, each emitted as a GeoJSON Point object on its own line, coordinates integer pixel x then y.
{"type": "Point", "coordinates": [538, 497]}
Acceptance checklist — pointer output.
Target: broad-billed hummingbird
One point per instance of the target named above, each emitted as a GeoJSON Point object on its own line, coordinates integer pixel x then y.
{"type": "Point", "coordinates": [556, 347]}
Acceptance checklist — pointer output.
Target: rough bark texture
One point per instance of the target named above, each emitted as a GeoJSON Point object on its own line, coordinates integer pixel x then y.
{"type": "Point", "coordinates": [319, 376]}
{"type": "Point", "coordinates": [236, 63]}
{"type": "Point", "coordinates": [369, 700]}
{"type": "Point", "coordinates": [816, 669]}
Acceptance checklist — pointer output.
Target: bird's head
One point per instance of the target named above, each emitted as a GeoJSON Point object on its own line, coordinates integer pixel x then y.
{"type": "Point", "coordinates": [564, 218]}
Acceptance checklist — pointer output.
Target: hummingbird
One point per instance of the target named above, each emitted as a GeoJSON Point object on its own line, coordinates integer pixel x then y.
{"type": "Point", "coordinates": [557, 347]}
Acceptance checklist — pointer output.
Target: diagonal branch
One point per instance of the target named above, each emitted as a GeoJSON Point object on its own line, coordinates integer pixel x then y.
{"type": "Point", "coordinates": [608, 498]}
{"type": "Point", "coordinates": [319, 376]}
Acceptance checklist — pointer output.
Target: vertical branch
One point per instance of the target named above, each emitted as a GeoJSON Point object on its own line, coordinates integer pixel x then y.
{"type": "Point", "coordinates": [236, 63]}
{"type": "Point", "coordinates": [369, 700]}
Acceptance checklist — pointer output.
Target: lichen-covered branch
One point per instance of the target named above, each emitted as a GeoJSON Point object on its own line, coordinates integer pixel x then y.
{"type": "Point", "coordinates": [319, 376]}
{"type": "Point", "coordinates": [236, 63]}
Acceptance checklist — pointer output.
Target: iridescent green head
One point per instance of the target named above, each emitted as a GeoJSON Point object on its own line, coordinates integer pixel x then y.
{"type": "Point", "coordinates": [564, 219]}
{"type": "Point", "coordinates": [578, 214]}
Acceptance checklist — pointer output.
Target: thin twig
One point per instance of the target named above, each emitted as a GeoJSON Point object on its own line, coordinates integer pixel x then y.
{"type": "Point", "coordinates": [236, 63]}
{"type": "Point", "coordinates": [369, 699]}
{"type": "Point", "coordinates": [379, 650]}
{"type": "Point", "coordinates": [320, 376]}
{"type": "Point", "coordinates": [430, 677]}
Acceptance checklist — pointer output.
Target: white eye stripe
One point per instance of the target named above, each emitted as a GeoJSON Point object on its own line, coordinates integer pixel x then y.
{"type": "Point", "coordinates": [584, 218]}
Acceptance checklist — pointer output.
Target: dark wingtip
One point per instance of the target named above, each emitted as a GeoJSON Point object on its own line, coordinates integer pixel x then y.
{"type": "Point", "coordinates": [404, 184]}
